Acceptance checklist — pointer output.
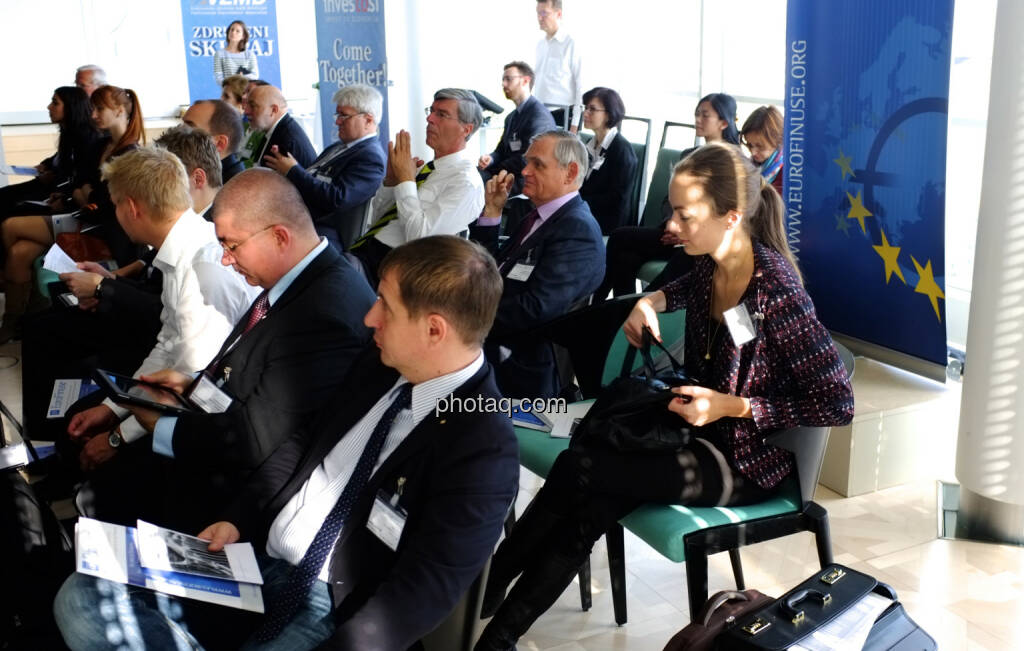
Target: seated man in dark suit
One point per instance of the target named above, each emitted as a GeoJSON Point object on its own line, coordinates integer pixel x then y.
{"type": "Point", "coordinates": [224, 125]}
{"type": "Point", "coordinates": [283, 360]}
{"type": "Point", "coordinates": [529, 118]}
{"type": "Point", "coordinates": [553, 259]}
{"type": "Point", "coordinates": [381, 515]}
{"type": "Point", "coordinates": [347, 174]}
{"type": "Point", "coordinates": [267, 111]}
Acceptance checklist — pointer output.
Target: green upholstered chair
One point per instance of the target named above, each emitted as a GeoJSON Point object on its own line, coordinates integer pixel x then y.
{"type": "Point", "coordinates": [43, 277]}
{"type": "Point", "coordinates": [690, 534]}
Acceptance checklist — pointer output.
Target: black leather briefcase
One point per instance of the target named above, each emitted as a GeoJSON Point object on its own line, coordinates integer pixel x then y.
{"type": "Point", "coordinates": [816, 602]}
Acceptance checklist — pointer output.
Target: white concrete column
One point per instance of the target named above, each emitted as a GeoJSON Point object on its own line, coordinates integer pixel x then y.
{"type": "Point", "coordinates": [990, 449]}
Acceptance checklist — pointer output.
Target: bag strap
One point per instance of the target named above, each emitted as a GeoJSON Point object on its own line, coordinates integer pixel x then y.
{"type": "Point", "coordinates": [721, 598]}
{"type": "Point", "coordinates": [648, 339]}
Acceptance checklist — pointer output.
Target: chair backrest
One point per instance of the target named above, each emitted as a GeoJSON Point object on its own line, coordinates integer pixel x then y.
{"type": "Point", "coordinates": [672, 325]}
{"type": "Point", "coordinates": [676, 126]}
{"type": "Point", "coordinates": [641, 145]}
{"type": "Point", "coordinates": [351, 223]}
{"type": "Point", "coordinates": [565, 114]}
{"type": "Point", "coordinates": [657, 189]}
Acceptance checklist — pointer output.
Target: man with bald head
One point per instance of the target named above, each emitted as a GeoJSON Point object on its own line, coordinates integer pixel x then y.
{"type": "Point", "coordinates": [285, 357]}
{"type": "Point", "coordinates": [224, 125]}
{"type": "Point", "coordinates": [267, 111]}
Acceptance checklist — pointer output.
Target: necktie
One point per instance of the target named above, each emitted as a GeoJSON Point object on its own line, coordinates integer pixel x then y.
{"type": "Point", "coordinates": [256, 314]}
{"type": "Point", "coordinates": [393, 213]}
{"type": "Point", "coordinates": [302, 576]}
{"type": "Point", "coordinates": [528, 223]}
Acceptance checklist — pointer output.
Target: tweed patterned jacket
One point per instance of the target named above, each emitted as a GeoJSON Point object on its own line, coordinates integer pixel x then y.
{"type": "Point", "coordinates": [791, 370]}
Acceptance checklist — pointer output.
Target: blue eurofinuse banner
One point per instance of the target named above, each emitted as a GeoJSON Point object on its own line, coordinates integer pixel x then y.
{"type": "Point", "coordinates": [205, 23]}
{"type": "Point", "coordinates": [350, 50]}
{"type": "Point", "coordinates": [867, 92]}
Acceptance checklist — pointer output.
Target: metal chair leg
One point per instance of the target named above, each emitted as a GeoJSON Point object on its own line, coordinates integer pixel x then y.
{"type": "Point", "coordinates": [617, 571]}
{"type": "Point", "coordinates": [817, 517]}
{"type": "Point", "coordinates": [586, 601]}
{"type": "Point", "coordinates": [696, 579]}
{"type": "Point", "coordinates": [737, 568]}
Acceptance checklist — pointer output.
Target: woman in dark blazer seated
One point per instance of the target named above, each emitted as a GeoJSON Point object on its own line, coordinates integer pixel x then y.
{"type": "Point", "coordinates": [731, 222]}
{"type": "Point", "coordinates": [609, 180]}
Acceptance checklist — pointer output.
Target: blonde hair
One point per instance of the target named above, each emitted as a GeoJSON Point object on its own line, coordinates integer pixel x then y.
{"type": "Point", "coordinates": [151, 176]}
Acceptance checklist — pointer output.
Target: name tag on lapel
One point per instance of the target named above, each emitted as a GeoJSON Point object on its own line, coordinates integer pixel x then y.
{"type": "Point", "coordinates": [521, 272]}
{"type": "Point", "coordinates": [323, 178]}
{"type": "Point", "coordinates": [740, 325]}
{"type": "Point", "coordinates": [515, 144]}
{"type": "Point", "coordinates": [386, 521]}
{"type": "Point", "coordinates": [206, 395]}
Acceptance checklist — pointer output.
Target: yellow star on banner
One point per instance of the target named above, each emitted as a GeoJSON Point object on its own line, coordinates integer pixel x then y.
{"type": "Point", "coordinates": [843, 225]}
{"type": "Point", "coordinates": [890, 255]}
{"type": "Point", "coordinates": [858, 211]}
{"type": "Point", "coordinates": [844, 165]}
{"type": "Point", "coordinates": [926, 285]}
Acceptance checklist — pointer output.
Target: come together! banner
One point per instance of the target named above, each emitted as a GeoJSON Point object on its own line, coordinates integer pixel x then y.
{"type": "Point", "coordinates": [205, 23]}
{"type": "Point", "coordinates": [350, 50]}
{"type": "Point", "coordinates": [867, 89]}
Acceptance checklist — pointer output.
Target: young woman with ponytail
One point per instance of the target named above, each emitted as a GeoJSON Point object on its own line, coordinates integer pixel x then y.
{"type": "Point", "coordinates": [789, 374]}
{"type": "Point", "coordinates": [116, 112]}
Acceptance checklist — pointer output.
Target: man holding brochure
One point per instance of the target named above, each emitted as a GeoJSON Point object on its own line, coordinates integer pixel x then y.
{"type": "Point", "coordinates": [376, 519]}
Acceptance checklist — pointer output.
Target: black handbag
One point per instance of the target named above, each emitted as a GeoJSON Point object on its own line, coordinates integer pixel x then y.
{"type": "Point", "coordinates": [816, 602]}
{"type": "Point", "coordinates": [631, 413]}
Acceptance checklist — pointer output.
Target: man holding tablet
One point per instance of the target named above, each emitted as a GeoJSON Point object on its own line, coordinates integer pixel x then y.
{"type": "Point", "coordinates": [282, 361]}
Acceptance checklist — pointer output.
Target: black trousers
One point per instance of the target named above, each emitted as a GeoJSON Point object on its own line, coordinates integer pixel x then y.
{"type": "Point", "coordinates": [586, 492]}
{"type": "Point", "coordinates": [12, 195]}
{"type": "Point", "coordinates": [630, 248]}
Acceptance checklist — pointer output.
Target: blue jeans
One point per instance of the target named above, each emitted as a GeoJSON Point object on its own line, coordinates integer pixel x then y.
{"type": "Point", "coordinates": [95, 613]}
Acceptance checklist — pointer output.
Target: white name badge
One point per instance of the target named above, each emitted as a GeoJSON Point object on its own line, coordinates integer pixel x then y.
{"type": "Point", "coordinates": [386, 521]}
{"type": "Point", "coordinates": [323, 178]}
{"type": "Point", "coordinates": [515, 145]}
{"type": "Point", "coordinates": [208, 396]}
{"type": "Point", "coordinates": [521, 272]}
{"type": "Point", "coordinates": [741, 327]}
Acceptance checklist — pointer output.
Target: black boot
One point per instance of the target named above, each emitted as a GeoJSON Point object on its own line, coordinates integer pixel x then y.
{"type": "Point", "coordinates": [515, 552]}
{"type": "Point", "coordinates": [538, 588]}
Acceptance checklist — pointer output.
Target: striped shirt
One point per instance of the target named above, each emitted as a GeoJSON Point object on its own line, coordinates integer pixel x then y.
{"type": "Point", "coordinates": [227, 63]}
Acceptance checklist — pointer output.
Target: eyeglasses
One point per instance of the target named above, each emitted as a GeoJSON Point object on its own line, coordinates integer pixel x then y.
{"type": "Point", "coordinates": [442, 115]}
{"type": "Point", "coordinates": [343, 117]}
{"type": "Point", "coordinates": [512, 77]}
{"type": "Point", "coordinates": [231, 248]}
{"type": "Point", "coordinates": [594, 109]}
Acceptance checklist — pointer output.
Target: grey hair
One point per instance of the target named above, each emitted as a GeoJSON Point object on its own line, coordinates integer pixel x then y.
{"type": "Point", "coordinates": [568, 149]}
{"type": "Point", "coordinates": [99, 76]}
{"type": "Point", "coordinates": [363, 98]}
{"type": "Point", "coordinates": [469, 108]}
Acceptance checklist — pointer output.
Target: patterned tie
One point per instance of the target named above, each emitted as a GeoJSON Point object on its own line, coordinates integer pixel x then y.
{"type": "Point", "coordinates": [528, 223]}
{"type": "Point", "coordinates": [302, 576]}
{"type": "Point", "coordinates": [393, 213]}
{"type": "Point", "coordinates": [256, 314]}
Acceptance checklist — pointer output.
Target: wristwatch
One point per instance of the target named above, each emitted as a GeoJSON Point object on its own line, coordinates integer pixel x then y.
{"type": "Point", "coordinates": [98, 292]}
{"type": "Point", "coordinates": [115, 439]}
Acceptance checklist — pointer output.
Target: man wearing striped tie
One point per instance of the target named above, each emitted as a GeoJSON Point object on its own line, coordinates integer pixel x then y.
{"type": "Point", "coordinates": [440, 198]}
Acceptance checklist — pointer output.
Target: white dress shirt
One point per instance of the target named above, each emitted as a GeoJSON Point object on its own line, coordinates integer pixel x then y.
{"type": "Point", "coordinates": [202, 299]}
{"type": "Point", "coordinates": [597, 150]}
{"type": "Point", "coordinates": [559, 73]}
{"type": "Point", "coordinates": [449, 200]}
{"type": "Point", "coordinates": [297, 524]}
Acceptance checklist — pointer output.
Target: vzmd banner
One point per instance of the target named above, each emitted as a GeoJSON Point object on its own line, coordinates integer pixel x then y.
{"type": "Point", "coordinates": [867, 90]}
{"type": "Point", "coordinates": [350, 50]}
{"type": "Point", "coordinates": [205, 25]}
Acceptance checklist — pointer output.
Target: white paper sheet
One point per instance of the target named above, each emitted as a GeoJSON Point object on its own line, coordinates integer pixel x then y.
{"type": "Point", "coordinates": [57, 261]}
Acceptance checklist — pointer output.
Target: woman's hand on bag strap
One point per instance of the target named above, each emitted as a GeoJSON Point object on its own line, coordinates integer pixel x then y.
{"type": "Point", "coordinates": [644, 315]}
{"type": "Point", "coordinates": [700, 405]}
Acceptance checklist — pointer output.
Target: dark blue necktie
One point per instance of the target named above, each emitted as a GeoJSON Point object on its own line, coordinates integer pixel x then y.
{"type": "Point", "coordinates": [302, 577]}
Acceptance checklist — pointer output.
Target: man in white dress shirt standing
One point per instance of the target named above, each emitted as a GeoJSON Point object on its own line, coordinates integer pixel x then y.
{"type": "Point", "coordinates": [559, 66]}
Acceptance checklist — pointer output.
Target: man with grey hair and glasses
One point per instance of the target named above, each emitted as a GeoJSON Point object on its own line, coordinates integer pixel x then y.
{"type": "Point", "coordinates": [89, 78]}
{"type": "Point", "coordinates": [440, 198]}
{"type": "Point", "coordinates": [336, 187]}
{"type": "Point", "coordinates": [552, 261]}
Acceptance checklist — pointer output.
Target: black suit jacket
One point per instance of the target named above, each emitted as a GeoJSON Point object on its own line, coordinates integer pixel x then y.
{"type": "Point", "coordinates": [355, 176]}
{"type": "Point", "coordinates": [521, 125]}
{"type": "Point", "coordinates": [458, 472]}
{"type": "Point", "coordinates": [289, 138]}
{"type": "Point", "coordinates": [607, 189]}
{"type": "Point", "coordinates": [279, 374]}
{"type": "Point", "coordinates": [230, 165]}
{"type": "Point", "coordinates": [568, 257]}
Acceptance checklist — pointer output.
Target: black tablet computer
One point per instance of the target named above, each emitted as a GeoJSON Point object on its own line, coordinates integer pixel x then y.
{"type": "Point", "coordinates": [121, 388]}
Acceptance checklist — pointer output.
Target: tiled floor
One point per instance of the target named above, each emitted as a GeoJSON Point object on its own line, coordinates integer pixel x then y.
{"type": "Point", "coordinates": [967, 595]}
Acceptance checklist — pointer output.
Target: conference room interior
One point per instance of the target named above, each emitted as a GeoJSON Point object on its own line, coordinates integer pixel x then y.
{"type": "Point", "coordinates": [885, 512]}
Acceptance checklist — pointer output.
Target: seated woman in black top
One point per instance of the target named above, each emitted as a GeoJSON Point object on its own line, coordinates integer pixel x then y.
{"type": "Point", "coordinates": [116, 111]}
{"type": "Point", "coordinates": [609, 180]}
{"type": "Point", "coordinates": [630, 247]}
{"type": "Point", "coordinates": [77, 152]}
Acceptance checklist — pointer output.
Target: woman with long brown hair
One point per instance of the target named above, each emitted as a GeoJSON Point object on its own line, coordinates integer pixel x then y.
{"type": "Point", "coordinates": [116, 112]}
{"type": "Point", "coordinates": [789, 374]}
